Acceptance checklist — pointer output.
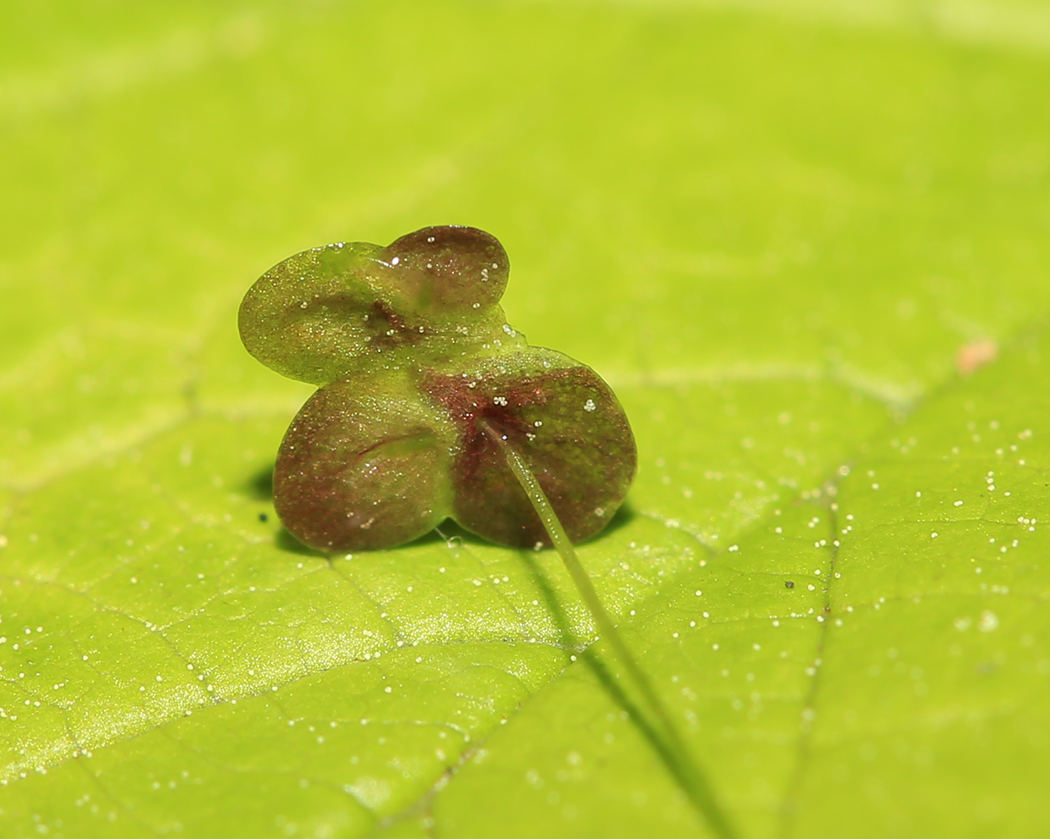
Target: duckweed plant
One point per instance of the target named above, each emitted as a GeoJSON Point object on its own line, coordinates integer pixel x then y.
{"type": "Point", "coordinates": [431, 406]}
{"type": "Point", "coordinates": [416, 361]}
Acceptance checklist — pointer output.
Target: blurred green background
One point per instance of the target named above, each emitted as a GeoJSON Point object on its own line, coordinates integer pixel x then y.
{"type": "Point", "coordinates": [772, 226]}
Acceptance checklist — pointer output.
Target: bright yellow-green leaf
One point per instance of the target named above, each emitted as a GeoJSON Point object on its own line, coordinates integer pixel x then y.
{"type": "Point", "coordinates": [808, 245]}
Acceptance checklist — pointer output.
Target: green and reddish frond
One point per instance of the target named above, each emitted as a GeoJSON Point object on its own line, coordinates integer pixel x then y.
{"type": "Point", "coordinates": [417, 362]}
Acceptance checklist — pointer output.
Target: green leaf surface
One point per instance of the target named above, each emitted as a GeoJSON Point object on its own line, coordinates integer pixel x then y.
{"type": "Point", "coordinates": [791, 236]}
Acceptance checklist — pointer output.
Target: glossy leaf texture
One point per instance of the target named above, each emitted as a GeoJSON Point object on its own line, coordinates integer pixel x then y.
{"type": "Point", "coordinates": [805, 244]}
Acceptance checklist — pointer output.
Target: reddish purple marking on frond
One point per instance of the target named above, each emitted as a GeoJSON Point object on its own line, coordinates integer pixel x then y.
{"type": "Point", "coordinates": [584, 461]}
{"type": "Point", "coordinates": [388, 329]}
